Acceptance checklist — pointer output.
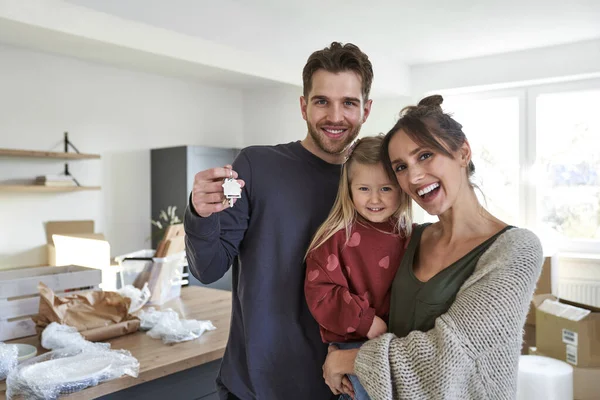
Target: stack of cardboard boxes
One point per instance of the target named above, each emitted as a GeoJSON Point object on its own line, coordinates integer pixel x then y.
{"type": "Point", "coordinates": [569, 332]}
{"type": "Point", "coordinates": [544, 286]}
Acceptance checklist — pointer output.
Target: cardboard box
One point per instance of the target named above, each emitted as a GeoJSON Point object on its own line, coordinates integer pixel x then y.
{"type": "Point", "coordinates": [75, 243]}
{"type": "Point", "coordinates": [66, 228]}
{"type": "Point", "coordinates": [568, 331]}
{"type": "Point", "coordinates": [544, 284]}
{"type": "Point", "coordinates": [586, 381]}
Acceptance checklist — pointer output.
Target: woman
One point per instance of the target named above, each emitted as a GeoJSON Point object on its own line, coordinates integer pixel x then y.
{"type": "Point", "coordinates": [463, 289]}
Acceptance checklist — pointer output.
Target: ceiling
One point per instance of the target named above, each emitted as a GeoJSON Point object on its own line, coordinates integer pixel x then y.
{"type": "Point", "coordinates": [259, 43]}
{"type": "Point", "coordinates": [395, 32]}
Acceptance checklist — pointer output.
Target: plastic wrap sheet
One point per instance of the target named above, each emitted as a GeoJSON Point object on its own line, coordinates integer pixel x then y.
{"type": "Point", "coordinates": [73, 364]}
{"type": "Point", "coordinates": [138, 297]}
{"type": "Point", "coordinates": [68, 370]}
{"type": "Point", "coordinates": [8, 359]}
{"type": "Point", "coordinates": [58, 336]}
{"type": "Point", "coordinates": [167, 326]}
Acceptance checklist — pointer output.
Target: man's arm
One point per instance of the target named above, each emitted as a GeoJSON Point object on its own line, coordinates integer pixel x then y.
{"type": "Point", "coordinates": [213, 230]}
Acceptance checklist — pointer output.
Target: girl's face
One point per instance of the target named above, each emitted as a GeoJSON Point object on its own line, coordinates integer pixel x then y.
{"type": "Point", "coordinates": [375, 197]}
{"type": "Point", "coordinates": [431, 178]}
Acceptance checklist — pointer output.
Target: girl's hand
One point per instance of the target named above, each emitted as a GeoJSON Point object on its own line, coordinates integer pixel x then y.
{"type": "Point", "coordinates": [378, 328]}
{"type": "Point", "coordinates": [338, 364]}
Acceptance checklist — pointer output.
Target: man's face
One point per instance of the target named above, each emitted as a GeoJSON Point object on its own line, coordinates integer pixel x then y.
{"type": "Point", "coordinates": [334, 110]}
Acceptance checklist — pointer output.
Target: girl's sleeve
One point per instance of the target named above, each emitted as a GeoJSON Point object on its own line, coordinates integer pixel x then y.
{"type": "Point", "coordinates": [473, 348]}
{"type": "Point", "coordinates": [329, 299]}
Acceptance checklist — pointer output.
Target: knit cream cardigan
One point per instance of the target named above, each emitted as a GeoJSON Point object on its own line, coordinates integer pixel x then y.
{"type": "Point", "coordinates": [473, 350]}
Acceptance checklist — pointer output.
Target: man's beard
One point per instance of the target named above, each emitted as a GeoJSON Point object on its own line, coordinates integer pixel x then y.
{"type": "Point", "coordinates": [330, 146]}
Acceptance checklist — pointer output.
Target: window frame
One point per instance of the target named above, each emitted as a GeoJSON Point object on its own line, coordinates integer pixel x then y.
{"type": "Point", "coordinates": [572, 245]}
{"type": "Point", "coordinates": [527, 97]}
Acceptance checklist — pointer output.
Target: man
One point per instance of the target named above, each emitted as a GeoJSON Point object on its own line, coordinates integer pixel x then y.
{"type": "Point", "coordinates": [274, 350]}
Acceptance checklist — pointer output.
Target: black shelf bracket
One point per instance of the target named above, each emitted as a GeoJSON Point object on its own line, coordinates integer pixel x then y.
{"type": "Point", "coordinates": [67, 144]}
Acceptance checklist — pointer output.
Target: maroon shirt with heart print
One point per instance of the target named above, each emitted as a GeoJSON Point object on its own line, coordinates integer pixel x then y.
{"type": "Point", "coordinates": [349, 282]}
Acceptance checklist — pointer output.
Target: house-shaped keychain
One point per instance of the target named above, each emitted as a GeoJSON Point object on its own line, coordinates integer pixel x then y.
{"type": "Point", "coordinates": [232, 190]}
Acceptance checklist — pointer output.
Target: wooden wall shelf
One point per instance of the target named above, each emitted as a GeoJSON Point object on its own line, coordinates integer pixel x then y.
{"type": "Point", "coordinates": [47, 189]}
{"type": "Point", "coordinates": [58, 155]}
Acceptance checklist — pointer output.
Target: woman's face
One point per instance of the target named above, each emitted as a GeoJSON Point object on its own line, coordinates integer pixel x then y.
{"type": "Point", "coordinates": [434, 180]}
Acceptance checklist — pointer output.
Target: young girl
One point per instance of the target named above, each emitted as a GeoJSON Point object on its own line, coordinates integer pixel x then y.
{"type": "Point", "coordinates": [353, 258]}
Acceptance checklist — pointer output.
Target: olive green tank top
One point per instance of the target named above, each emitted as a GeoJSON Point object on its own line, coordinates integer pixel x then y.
{"type": "Point", "coordinates": [415, 305]}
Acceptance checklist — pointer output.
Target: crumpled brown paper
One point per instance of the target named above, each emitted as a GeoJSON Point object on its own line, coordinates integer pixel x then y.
{"type": "Point", "coordinates": [97, 315]}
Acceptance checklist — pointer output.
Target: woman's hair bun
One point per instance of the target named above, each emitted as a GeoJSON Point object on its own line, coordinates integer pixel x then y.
{"type": "Point", "coordinates": [435, 100]}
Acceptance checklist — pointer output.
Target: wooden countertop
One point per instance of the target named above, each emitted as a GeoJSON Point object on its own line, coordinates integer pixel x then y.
{"type": "Point", "coordinates": [157, 359]}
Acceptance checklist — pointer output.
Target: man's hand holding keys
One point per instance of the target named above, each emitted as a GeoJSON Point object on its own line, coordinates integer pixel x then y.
{"type": "Point", "coordinates": [207, 194]}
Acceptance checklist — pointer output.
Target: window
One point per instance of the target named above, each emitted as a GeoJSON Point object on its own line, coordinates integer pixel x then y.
{"type": "Point", "coordinates": [568, 163]}
{"type": "Point", "coordinates": [492, 128]}
{"type": "Point", "coordinates": [537, 158]}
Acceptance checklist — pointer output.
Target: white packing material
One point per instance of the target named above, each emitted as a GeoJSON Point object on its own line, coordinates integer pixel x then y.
{"type": "Point", "coordinates": [58, 336]}
{"type": "Point", "coordinates": [138, 297]}
{"type": "Point", "coordinates": [73, 364]}
{"type": "Point", "coordinates": [149, 318]}
{"type": "Point", "coordinates": [8, 359]}
{"type": "Point", "coordinates": [167, 326]}
{"type": "Point", "coordinates": [567, 311]}
{"type": "Point", "coordinates": [68, 370]}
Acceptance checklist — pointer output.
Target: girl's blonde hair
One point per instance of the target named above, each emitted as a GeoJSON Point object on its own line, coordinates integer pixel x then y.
{"type": "Point", "coordinates": [343, 215]}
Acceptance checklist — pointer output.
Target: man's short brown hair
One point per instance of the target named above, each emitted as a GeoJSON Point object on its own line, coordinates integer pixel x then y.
{"type": "Point", "coordinates": [336, 58]}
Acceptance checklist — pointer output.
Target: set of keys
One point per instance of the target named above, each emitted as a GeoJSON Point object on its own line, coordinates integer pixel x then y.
{"type": "Point", "coordinates": [231, 188]}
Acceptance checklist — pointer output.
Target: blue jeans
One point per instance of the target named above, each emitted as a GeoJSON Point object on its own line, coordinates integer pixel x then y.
{"type": "Point", "coordinates": [359, 391]}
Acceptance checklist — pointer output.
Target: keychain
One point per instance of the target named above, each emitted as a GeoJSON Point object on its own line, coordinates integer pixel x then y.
{"type": "Point", "coordinates": [231, 188]}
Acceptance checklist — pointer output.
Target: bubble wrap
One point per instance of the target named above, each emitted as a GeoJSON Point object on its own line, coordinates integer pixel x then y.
{"type": "Point", "coordinates": [8, 359]}
{"type": "Point", "coordinates": [167, 326]}
{"type": "Point", "coordinates": [138, 297]}
{"type": "Point", "coordinates": [72, 365]}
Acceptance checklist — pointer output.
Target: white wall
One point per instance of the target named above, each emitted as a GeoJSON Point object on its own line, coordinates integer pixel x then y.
{"type": "Point", "coordinates": [272, 115]}
{"type": "Point", "coordinates": [570, 61]}
{"type": "Point", "coordinates": [384, 114]}
{"type": "Point", "coordinates": [117, 113]}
